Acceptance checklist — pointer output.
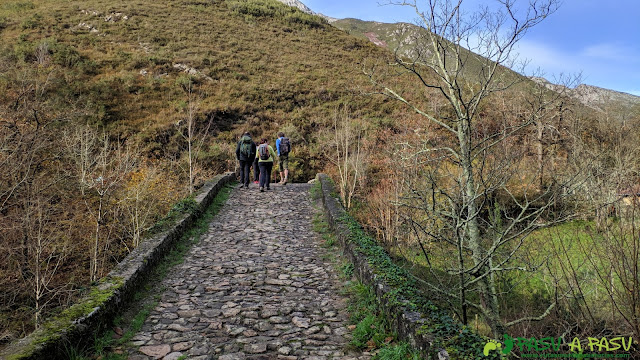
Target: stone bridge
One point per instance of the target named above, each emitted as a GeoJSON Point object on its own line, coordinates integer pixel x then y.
{"type": "Point", "coordinates": [256, 286]}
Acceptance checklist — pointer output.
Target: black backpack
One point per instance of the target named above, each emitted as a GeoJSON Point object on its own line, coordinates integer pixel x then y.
{"type": "Point", "coordinates": [285, 146]}
{"type": "Point", "coordinates": [245, 146]}
{"type": "Point", "coordinates": [263, 150]}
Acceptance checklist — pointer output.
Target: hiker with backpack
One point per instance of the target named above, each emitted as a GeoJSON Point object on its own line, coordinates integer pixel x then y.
{"type": "Point", "coordinates": [245, 153]}
{"type": "Point", "coordinates": [265, 155]}
{"type": "Point", "coordinates": [283, 146]}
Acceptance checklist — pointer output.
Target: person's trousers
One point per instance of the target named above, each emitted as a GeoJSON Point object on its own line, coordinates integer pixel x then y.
{"type": "Point", "coordinates": [265, 173]}
{"type": "Point", "coordinates": [245, 171]}
{"type": "Point", "coordinates": [256, 170]}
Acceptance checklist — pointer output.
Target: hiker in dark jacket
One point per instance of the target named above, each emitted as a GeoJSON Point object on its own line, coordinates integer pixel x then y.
{"type": "Point", "coordinates": [245, 153]}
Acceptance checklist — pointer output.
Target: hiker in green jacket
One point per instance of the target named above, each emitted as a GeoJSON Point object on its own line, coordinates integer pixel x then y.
{"type": "Point", "coordinates": [245, 153]}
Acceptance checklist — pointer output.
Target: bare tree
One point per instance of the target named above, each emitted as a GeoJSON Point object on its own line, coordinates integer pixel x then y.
{"type": "Point", "coordinates": [141, 202]}
{"type": "Point", "coordinates": [472, 196]}
{"type": "Point", "coordinates": [48, 252]}
{"type": "Point", "coordinates": [617, 267]}
{"type": "Point", "coordinates": [101, 165]}
{"type": "Point", "coordinates": [349, 154]}
{"type": "Point", "coordinates": [607, 149]}
{"type": "Point", "coordinates": [195, 138]}
{"type": "Point", "coordinates": [32, 186]}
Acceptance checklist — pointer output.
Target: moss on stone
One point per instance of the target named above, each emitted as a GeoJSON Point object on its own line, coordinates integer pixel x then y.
{"type": "Point", "coordinates": [55, 328]}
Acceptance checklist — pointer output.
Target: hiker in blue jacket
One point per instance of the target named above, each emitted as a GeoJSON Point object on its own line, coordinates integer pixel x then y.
{"type": "Point", "coordinates": [283, 147]}
{"type": "Point", "coordinates": [245, 153]}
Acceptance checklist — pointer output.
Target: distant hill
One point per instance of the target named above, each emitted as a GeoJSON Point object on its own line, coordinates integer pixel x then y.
{"type": "Point", "coordinates": [595, 97]}
{"type": "Point", "coordinates": [399, 37]}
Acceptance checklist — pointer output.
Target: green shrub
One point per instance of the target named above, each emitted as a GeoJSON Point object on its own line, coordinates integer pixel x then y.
{"type": "Point", "coordinates": [401, 351]}
{"type": "Point", "coordinates": [367, 333]}
{"type": "Point", "coordinates": [255, 9]}
{"type": "Point", "coordinates": [65, 55]}
{"type": "Point", "coordinates": [301, 18]}
{"type": "Point", "coordinates": [33, 22]}
{"type": "Point", "coordinates": [23, 51]}
{"type": "Point", "coordinates": [3, 23]}
{"type": "Point", "coordinates": [18, 6]}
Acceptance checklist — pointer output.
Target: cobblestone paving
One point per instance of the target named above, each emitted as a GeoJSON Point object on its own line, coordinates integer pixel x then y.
{"type": "Point", "coordinates": [256, 287]}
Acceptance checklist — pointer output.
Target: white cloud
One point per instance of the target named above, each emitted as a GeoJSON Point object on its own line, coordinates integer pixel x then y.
{"type": "Point", "coordinates": [610, 52]}
{"type": "Point", "coordinates": [609, 66]}
{"type": "Point", "coordinates": [550, 60]}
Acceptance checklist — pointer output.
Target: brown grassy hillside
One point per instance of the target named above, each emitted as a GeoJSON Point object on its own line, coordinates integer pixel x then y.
{"type": "Point", "coordinates": [94, 102]}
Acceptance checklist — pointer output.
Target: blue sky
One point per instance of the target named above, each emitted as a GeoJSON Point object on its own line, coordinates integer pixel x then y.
{"type": "Point", "coordinates": [599, 39]}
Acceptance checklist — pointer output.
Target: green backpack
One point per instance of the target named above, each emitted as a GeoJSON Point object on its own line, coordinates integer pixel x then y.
{"type": "Point", "coordinates": [245, 146]}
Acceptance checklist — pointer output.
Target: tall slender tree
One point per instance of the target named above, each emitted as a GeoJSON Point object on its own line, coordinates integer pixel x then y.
{"type": "Point", "coordinates": [469, 196]}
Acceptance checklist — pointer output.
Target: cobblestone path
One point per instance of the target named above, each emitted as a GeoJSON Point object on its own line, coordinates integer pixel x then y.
{"type": "Point", "coordinates": [256, 287]}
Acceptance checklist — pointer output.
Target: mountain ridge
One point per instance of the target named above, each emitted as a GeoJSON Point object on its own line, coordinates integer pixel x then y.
{"type": "Point", "coordinates": [397, 37]}
{"type": "Point", "coordinates": [593, 96]}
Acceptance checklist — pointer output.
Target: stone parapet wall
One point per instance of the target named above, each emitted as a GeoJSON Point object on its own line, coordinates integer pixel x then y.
{"type": "Point", "coordinates": [107, 298]}
{"type": "Point", "coordinates": [405, 321]}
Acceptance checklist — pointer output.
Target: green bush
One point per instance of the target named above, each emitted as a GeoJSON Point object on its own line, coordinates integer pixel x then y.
{"type": "Point", "coordinates": [369, 332]}
{"type": "Point", "coordinates": [272, 9]}
{"type": "Point", "coordinates": [18, 6]}
{"type": "Point", "coordinates": [23, 51]}
{"type": "Point", "coordinates": [3, 23]}
{"type": "Point", "coordinates": [65, 55]}
{"type": "Point", "coordinates": [255, 9]}
{"type": "Point", "coordinates": [401, 351]}
{"type": "Point", "coordinates": [300, 18]}
{"type": "Point", "coordinates": [32, 23]}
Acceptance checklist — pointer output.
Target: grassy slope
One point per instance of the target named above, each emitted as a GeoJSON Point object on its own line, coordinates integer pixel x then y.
{"type": "Point", "coordinates": [268, 72]}
{"type": "Point", "coordinates": [267, 68]}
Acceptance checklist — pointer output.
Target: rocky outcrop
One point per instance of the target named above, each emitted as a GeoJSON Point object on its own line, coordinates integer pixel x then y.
{"type": "Point", "coordinates": [305, 9]}
{"type": "Point", "coordinates": [592, 96]}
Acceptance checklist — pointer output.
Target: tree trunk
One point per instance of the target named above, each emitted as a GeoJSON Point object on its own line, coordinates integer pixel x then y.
{"type": "Point", "coordinates": [540, 152]}
{"type": "Point", "coordinates": [486, 286]}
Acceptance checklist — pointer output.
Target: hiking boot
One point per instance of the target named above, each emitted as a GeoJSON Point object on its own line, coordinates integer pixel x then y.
{"type": "Point", "coordinates": [285, 181]}
{"type": "Point", "coordinates": [261, 189]}
{"type": "Point", "coordinates": [268, 188]}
